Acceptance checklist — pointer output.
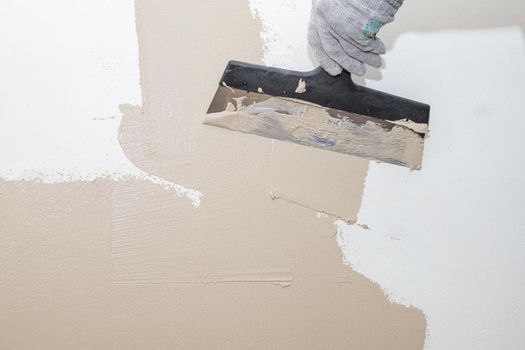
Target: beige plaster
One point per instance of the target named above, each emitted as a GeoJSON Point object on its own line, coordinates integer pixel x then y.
{"type": "Point", "coordinates": [128, 265]}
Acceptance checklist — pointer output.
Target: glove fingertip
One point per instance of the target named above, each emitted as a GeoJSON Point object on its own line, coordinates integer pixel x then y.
{"type": "Point", "coordinates": [380, 47]}
{"type": "Point", "coordinates": [354, 66]}
{"type": "Point", "coordinates": [376, 62]}
{"type": "Point", "coordinates": [333, 70]}
{"type": "Point", "coordinates": [359, 71]}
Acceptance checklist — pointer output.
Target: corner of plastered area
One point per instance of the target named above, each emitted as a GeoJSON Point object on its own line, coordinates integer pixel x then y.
{"type": "Point", "coordinates": [97, 156]}
{"type": "Point", "coordinates": [67, 131]}
{"type": "Point", "coordinates": [346, 234]}
{"type": "Point", "coordinates": [130, 170]}
{"type": "Point", "coordinates": [347, 243]}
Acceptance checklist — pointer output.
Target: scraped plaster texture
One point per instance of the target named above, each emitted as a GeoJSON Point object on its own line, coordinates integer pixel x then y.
{"type": "Point", "coordinates": [126, 264]}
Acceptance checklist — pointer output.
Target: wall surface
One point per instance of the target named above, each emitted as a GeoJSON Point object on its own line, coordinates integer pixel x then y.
{"type": "Point", "coordinates": [150, 230]}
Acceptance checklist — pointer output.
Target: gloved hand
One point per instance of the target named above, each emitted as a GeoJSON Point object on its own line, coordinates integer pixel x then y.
{"type": "Point", "coordinates": [342, 33]}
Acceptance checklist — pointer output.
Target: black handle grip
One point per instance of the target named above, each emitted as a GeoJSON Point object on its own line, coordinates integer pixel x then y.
{"type": "Point", "coordinates": [338, 92]}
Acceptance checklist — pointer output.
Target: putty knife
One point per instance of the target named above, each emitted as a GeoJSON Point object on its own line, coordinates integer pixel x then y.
{"type": "Point", "coordinates": [318, 110]}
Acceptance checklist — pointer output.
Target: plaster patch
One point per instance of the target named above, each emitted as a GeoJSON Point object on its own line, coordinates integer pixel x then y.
{"type": "Point", "coordinates": [65, 240]}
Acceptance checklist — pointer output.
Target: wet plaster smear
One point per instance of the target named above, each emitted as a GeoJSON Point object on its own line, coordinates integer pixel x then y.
{"type": "Point", "coordinates": [252, 264]}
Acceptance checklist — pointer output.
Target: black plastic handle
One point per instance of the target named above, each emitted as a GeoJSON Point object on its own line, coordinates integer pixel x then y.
{"type": "Point", "coordinates": [338, 92]}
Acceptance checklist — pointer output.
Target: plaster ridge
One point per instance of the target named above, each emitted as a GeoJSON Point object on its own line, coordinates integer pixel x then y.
{"type": "Point", "coordinates": [336, 216]}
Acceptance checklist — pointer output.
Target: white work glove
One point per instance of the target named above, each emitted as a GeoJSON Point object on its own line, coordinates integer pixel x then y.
{"type": "Point", "coordinates": [342, 33]}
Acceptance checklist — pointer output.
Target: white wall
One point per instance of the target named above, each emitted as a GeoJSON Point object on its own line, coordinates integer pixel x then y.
{"type": "Point", "coordinates": [450, 238]}
{"type": "Point", "coordinates": [64, 64]}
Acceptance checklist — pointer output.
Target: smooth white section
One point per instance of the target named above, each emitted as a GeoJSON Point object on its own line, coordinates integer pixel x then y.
{"type": "Point", "coordinates": [284, 34]}
{"type": "Point", "coordinates": [65, 67]}
{"type": "Point", "coordinates": [449, 239]}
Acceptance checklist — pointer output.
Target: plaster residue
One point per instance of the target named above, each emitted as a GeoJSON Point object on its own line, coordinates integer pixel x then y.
{"type": "Point", "coordinates": [226, 86]}
{"type": "Point", "coordinates": [421, 128]}
{"type": "Point", "coordinates": [312, 125]}
{"type": "Point", "coordinates": [301, 87]}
